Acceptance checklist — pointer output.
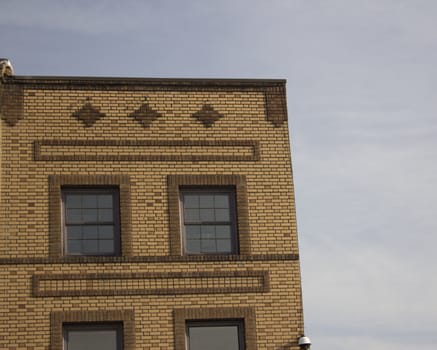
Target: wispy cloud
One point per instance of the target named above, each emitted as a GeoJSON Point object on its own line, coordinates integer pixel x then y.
{"type": "Point", "coordinates": [85, 17]}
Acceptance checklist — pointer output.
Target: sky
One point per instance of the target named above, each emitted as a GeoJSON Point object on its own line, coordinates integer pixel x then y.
{"type": "Point", "coordinates": [361, 88]}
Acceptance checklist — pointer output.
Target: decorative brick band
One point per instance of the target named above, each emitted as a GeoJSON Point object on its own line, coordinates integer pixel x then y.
{"type": "Point", "coordinates": [11, 94]}
{"type": "Point", "coordinates": [58, 318]}
{"type": "Point", "coordinates": [146, 259]}
{"type": "Point", "coordinates": [174, 182]}
{"type": "Point", "coordinates": [276, 105]}
{"type": "Point", "coordinates": [164, 283]}
{"type": "Point", "coordinates": [247, 314]}
{"type": "Point", "coordinates": [55, 213]}
{"type": "Point", "coordinates": [11, 103]}
{"type": "Point", "coordinates": [146, 150]}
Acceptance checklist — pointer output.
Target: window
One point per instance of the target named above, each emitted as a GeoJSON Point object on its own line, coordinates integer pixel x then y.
{"type": "Point", "coordinates": [81, 329]}
{"type": "Point", "coordinates": [215, 335]}
{"type": "Point", "coordinates": [98, 336]}
{"type": "Point", "coordinates": [209, 220]}
{"type": "Point", "coordinates": [91, 221]}
{"type": "Point", "coordinates": [118, 187]}
{"type": "Point", "coordinates": [208, 214]}
{"type": "Point", "coordinates": [222, 328]}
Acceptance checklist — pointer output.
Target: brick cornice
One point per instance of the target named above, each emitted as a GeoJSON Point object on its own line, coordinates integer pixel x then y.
{"type": "Point", "coordinates": [108, 83]}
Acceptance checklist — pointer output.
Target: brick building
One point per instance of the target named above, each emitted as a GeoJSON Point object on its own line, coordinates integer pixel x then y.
{"type": "Point", "coordinates": [147, 214]}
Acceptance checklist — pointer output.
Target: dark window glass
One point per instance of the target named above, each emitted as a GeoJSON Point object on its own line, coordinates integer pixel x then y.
{"type": "Point", "coordinates": [93, 336]}
{"type": "Point", "coordinates": [209, 220]}
{"type": "Point", "coordinates": [215, 335]}
{"type": "Point", "coordinates": [91, 221]}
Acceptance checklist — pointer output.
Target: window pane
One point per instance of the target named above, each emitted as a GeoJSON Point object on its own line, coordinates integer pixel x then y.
{"type": "Point", "coordinates": [106, 232]}
{"type": "Point", "coordinates": [208, 232]}
{"type": "Point", "coordinates": [221, 201]}
{"type": "Point", "coordinates": [206, 201]}
{"type": "Point", "coordinates": [192, 246]}
{"type": "Point", "coordinates": [191, 201]}
{"type": "Point", "coordinates": [192, 232]}
{"type": "Point", "coordinates": [89, 232]}
{"type": "Point", "coordinates": [206, 215]}
{"type": "Point", "coordinates": [223, 231]}
{"type": "Point", "coordinates": [73, 201]}
{"type": "Point", "coordinates": [191, 215]}
{"type": "Point", "coordinates": [74, 216]}
{"type": "Point", "coordinates": [74, 246]}
{"type": "Point", "coordinates": [224, 246]}
{"type": "Point", "coordinates": [222, 215]}
{"type": "Point", "coordinates": [74, 232]}
{"type": "Point", "coordinates": [106, 246]}
{"type": "Point", "coordinates": [214, 337]}
{"type": "Point", "coordinates": [89, 215]}
{"type": "Point", "coordinates": [89, 201]}
{"type": "Point", "coordinates": [105, 215]}
{"type": "Point", "coordinates": [104, 339]}
{"type": "Point", "coordinates": [104, 200]}
{"type": "Point", "coordinates": [208, 246]}
{"type": "Point", "coordinates": [90, 246]}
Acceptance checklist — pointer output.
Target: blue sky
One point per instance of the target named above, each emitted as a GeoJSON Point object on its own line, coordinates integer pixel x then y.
{"type": "Point", "coordinates": [362, 81]}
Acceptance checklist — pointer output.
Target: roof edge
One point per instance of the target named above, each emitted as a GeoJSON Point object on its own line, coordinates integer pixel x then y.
{"type": "Point", "coordinates": [122, 81]}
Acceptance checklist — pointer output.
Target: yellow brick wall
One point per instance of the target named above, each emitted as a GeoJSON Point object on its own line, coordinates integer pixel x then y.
{"type": "Point", "coordinates": [47, 115]}
{"type": "Point", "coordinates": [26, 319]}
